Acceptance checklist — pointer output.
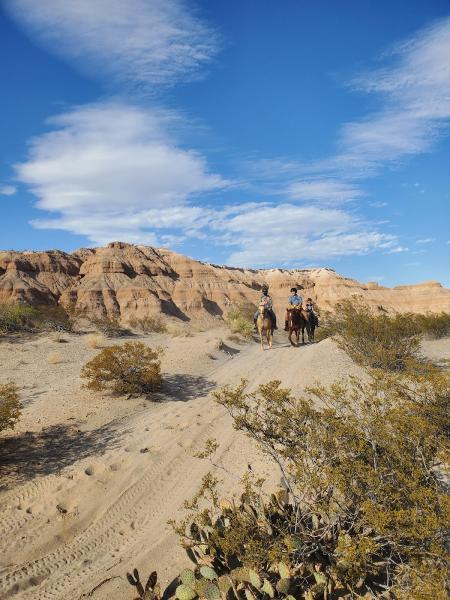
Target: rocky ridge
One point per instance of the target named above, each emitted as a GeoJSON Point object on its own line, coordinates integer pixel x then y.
{"type": "Point", "coordinates": [126, 282]}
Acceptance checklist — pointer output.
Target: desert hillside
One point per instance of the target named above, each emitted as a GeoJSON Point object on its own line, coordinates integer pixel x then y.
{"type": "Point", "coordinates": [127, 282]}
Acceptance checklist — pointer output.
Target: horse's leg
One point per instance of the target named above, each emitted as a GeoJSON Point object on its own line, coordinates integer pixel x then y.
{"type": "Point", "coordinates": [270, 337]}
{"type": "Point", "coordinates": [261, 338]}
{"type": "Point", "coordinates": [290, 337]}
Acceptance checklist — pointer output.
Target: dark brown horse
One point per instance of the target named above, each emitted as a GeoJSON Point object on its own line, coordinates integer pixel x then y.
{"type": "Point", "coordinates": [298, 323]}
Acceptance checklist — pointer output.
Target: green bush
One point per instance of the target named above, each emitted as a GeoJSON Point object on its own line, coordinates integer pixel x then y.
{"type": "Point", "coordinates": [9, 405]}
{"type": "Point", "coordinates": [375, 340]}
{"type": "Point", "coordinates": [434, 325]}
{"type": "Point", "coordinates": [240, 319]}
{"type": "Point", "coordinates": [16, 317]}
{"type": "Point", "coordinates": [21, 317]}
{"type": "Point", "coordinates": [130, 368]}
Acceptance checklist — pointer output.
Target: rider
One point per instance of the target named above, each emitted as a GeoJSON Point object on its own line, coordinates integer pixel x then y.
{"type": "Point", "coordinates": [310, 306]}
{"type": "Point", "coordinates": [294, 300]}
{"type": "Point", "coordinates": [267, 302]}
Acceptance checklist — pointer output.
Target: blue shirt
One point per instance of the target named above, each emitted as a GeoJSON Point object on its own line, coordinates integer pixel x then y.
{"type": "Point", "coordinates": [295, 300]}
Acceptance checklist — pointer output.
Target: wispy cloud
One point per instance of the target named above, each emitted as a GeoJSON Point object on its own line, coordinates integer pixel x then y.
{"type": "Point", "coordinates": [425, 241]}
{"type": "Point", "coordinates": [323, 191]}
{"type": "Point", "coordinates": [148, 43]}
{"type": "Point", "coordinates": [414, 95]}
{"type": "Point", "coordinates": [7, 190]}
{"type": "Point", "coordinates": [415, 90]}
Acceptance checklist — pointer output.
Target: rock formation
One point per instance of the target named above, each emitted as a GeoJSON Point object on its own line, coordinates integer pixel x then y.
{"type": "Point", "coordinates": [127, 282]}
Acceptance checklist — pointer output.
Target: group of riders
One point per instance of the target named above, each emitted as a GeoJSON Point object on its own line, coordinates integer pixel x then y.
{"type": "Point", "coordinates": [295, 302]}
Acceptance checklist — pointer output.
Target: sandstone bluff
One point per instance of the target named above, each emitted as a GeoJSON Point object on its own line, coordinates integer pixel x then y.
{"type": "Point", "coordinates": [126, 282]}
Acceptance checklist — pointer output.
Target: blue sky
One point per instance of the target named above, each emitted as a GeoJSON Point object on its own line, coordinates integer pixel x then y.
{"type": "Point", "coordinates": [253, 133]}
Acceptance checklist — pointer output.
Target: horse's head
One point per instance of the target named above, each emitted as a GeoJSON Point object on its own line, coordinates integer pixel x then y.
{"type": "Point", "coordinates": [261, 309]}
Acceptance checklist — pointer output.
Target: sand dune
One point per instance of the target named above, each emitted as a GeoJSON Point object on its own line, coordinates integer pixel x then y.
{"type": "Point", "coordinates": [90, 480]}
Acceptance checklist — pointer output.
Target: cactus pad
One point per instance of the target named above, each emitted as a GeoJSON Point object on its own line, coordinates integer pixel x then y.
{"type": "Point", "coordinates": [267, 588]}
{"type": "Point", "coordinates": [187, 576]}
{"type": "Point", "coordinates": [283, 570]}
{"type": "Point", "coordinates": [208, 573]}
{"type": "Point", "coordinates": [184, 592]}
{"type": "Point", "coordinates": [254, 578]}
{"type": "Point", "coordinates": [283, 586]}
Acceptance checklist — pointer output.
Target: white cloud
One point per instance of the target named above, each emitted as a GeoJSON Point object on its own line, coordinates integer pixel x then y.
{"type": "Point", "coordinates": [425, 241]}
{"type": "Point", "coordinates": [107, 161]}
{"type": "Point", "coordinates": [149, 43]}
{"type": "Point", "coordinates": [292, 235]}
{"type": "Point", "coordinates": [7, 190]}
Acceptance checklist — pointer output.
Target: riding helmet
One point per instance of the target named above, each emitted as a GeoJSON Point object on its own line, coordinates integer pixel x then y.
{"type": "Point", "coordinates": [294, 290]}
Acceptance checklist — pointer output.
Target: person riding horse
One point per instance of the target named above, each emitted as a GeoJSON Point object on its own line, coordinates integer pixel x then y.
{"type": "Point", "coordinates": [267, 302]}
{"type": "Point", "coordinates": [312, 316]}
{"type": "Point", "coordinates": [295, 302]}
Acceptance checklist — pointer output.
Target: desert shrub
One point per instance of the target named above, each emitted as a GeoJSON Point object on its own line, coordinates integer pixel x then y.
{"type": "Point", "coordinates": [95, 340]}
{"type": "Point", "coordinates": [109, 327]}
{"type": "Point", "coordinates": [365, 507]}
{"type": "Point", "coordinates": [149, 324]}
{"type": "Point", "coordinates": [9, 405]}
{"type": "Point", "coordinates": [130, 368]}
{"type": "Point", "coordinates": [21, 317]}
{"type": "Point", "coordinates": [52, 318]}
{"type": "Point", "coordinates": [240, 319]}
{"type": "Point", "coordinates": [375, 340]}
{"type": "Point", "coordinates": [16, 317]}
{"type": "Point", "coordinates": [434, 325]}
{"type": "Point", "coordinates": [362, 513]}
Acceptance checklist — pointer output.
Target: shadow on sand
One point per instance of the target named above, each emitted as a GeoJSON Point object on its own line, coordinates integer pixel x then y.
{"type": "Point", "coordinates": [49, 451]}
{"type": "Point", "coordinates": [185, 387]}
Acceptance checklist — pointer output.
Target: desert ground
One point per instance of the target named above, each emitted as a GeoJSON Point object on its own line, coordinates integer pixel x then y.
{"type": "Point", "coordinates": [89, 480]}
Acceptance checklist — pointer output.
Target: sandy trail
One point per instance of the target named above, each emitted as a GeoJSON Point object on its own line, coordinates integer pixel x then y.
{"type": "Point", "coordinates": [92, 480]}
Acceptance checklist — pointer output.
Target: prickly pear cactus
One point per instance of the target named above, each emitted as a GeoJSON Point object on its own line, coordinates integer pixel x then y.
{"type": "Point", "coordinates": [184, 592]}
{"type": "Point", "coordinates": [208, 573]}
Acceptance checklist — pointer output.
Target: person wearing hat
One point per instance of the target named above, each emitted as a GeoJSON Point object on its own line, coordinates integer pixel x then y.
{"type": "Point", "coordinates": [312, 316]}
{"type": "Point", "coordinates": [294, 301]}
{"type": "Point", "coordinates": [267, 302]}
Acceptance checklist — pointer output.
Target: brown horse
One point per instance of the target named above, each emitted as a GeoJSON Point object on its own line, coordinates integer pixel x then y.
{"type": "Point", "coordinates": [297, 323]}
{"type": "Point", "coordinates": [264, 324]}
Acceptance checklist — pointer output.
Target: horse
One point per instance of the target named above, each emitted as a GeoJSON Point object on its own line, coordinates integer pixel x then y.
{"type": "Point", "coordinates": [297, 323]}
{"type": "Point", "coordinates": [264, 324]}
{"type": "Point", "coordinates": [312, 320]}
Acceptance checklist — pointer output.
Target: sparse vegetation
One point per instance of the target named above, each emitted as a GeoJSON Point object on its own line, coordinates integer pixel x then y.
{"type": "Point", "coordinates": [434, 325]}
{"type": "Point", "coordinates": [109, 327]}
{"type": "Point", "coordinates": [149, 324]}
{"type": "Point", "coordinates": [177, 331]}
{"type": "Point", "coordinates": [95, 340]}
{"type": "Point", "coordinates": [364, 511]}
{"type": "Point", "coordinates": [16, 317]}
{"type": "Point", "coordinates": [130, 368]}
{"type": "Point", "coordinates": [240, 319]}
{"type": "Point", "coordinates": [24, 318]}
{"type": "Point", "coordinates": [9, 405]}
{"type": "Point", "coordinates": [375, 340]}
